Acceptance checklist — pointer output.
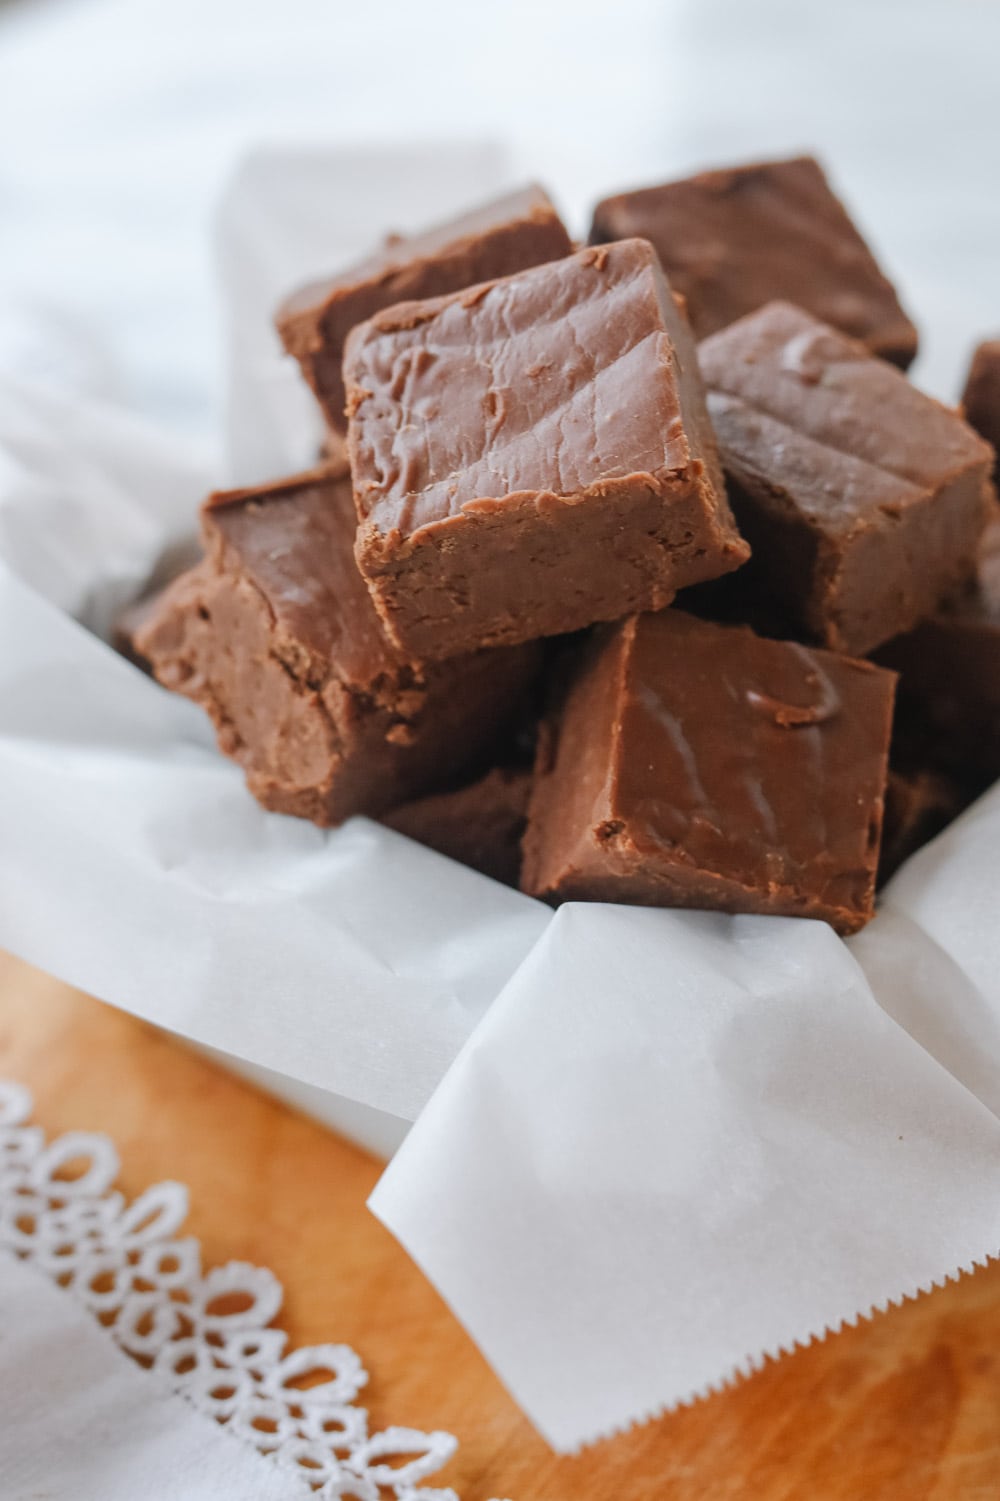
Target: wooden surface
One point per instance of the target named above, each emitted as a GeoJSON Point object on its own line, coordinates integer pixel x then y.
{"type": "Point", "coordinates": [905, 1408]}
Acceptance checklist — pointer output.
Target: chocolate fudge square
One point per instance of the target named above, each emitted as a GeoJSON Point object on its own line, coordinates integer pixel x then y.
{"type": "Point", "coordinates": [519, 230]}
{"type": "Point", "coordinates": [275, 636]}
{"type": "Point", "coordinates": [981, 397]}
{"type": "Point", "coordinates": [949, 675]}
{"type": "Point", "coordinates": [533, 455]}
{"type": "Point", "coordinates": [131, 623]}
{"type": "Point", "coordinates": [734, 239]}
{"type": "Point", "coordinates": [480, 825]}
{"type": "Point", "coordinates": [699, 765]}
{"type": "Point", "coordinates": [863, 500]}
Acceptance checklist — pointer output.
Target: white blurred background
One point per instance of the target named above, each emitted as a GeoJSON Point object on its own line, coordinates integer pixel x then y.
{"type": "Point", "coordinates": [120, 121]}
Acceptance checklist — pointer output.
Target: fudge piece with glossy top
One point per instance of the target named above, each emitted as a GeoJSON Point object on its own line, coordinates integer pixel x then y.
{"type": "Point", "coordinates": [533, 455]}
{"type": "Point", "coordinates": [698, 765]}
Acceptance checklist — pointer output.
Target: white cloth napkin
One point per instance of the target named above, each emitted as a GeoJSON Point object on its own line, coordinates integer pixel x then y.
{"type": "Point", "coordinates": [88, 1279]}
{"type": "Point", "coordinates": [83, 1422]}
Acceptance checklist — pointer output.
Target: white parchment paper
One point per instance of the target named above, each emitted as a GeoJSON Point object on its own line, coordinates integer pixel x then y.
{"type": "Point", "coordinates": [673, 1142]}
{"type": "Point", "coordinates": [134, 863]}
{"type": "Point", "coordinates": [679, 1142]}
{"type": "Point", "coordinates": [83, 1420]}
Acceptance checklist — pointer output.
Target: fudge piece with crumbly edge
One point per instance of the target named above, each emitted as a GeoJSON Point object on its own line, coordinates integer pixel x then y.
{"type": "Point", "coordinates": [275, 636]}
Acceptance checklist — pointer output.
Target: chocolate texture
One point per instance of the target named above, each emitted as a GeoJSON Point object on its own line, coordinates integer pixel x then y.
{"type": "Point", "coordinates": [181, 558]}
{"type": "Point", "coordinates": [533, 455]}
{"type": "Point", "coordinates": [949, 675]}
{"type": "Point", "coordinates": [734, 239]}
{"type": "Point", "coordinates": [480, 825]}
{"type": "Point", "coordinates": [332, 450]}
{"type": "Point", "coordinates": [699, 765]}
{"type": "Point", "coordinates": [919, 804]}
{"type": "Point", "coordinates": [275, 636]}
{"type": "Point", "coordinates": [863, 500]}
{"type": "Point", "coordinates": [510, 234]}
{"type": "Point", "coordinates": [981, 397]}
{"type": "Point", "coordinates": [130, 624]}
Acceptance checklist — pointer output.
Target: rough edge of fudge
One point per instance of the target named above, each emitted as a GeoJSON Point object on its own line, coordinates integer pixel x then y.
{"type": "Point", "coordinates": [181, 558]}
{"type": "Point", "coordinates": [562, 835]}
{"type": "Point", "coordinates": [681, 510]}
{"type": "Point", "coordinates": [507, 234]}
{"type": "Point", "coordinates": [897, 342]}
{"type": "Point", "coordinates": [479, 825]}
{"type": "Point", "coordinates": [129, 625]}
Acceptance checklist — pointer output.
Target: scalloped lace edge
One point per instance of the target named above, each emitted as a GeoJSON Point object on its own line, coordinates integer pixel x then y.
{"type": "Point", "coordinates": [208, 1334]}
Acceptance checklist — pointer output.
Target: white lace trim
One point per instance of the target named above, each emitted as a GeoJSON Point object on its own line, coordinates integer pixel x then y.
{"type": "Point", "coordinates": [206, 1332]}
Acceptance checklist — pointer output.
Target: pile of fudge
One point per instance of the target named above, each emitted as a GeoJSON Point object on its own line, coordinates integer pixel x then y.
{"type": "Point", "coordinates": [637, 572]}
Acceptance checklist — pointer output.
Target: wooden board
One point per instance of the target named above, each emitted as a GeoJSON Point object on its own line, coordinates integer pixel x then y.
{"type": "Point", "coordinates": [905, 1408]}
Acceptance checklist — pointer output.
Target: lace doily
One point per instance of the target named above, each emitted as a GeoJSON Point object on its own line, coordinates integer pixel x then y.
{"type": "Point", "coordinates": [206, 1332]}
